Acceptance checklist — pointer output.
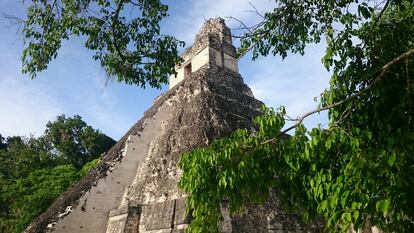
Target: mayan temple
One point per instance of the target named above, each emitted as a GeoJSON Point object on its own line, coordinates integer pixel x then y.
{"type": "Point", "coordinates": [134, 188]}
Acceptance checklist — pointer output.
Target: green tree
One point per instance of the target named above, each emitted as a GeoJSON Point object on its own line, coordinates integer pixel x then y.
{"type": "Point", "coordinates": [32, 195]}
{"type": "Point", "coordinates": [360, 169]}
{"type": "Point", "coordinates": [74, 141]}
{"type": "Point", "coordinates": [124, 34]}
{"type": "Point", "coordinates": [25, 198]}
{"type": "Point", "coordinates": [35, 171]}
{"type": "Point", "coordinates": [21, 156]}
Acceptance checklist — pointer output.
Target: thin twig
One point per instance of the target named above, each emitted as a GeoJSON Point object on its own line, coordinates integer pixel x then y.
{"type": "Point", "coordinates": [259, 39]}
{"type": "Point", "coordinates": [241, 23]}
{"type": "Point", "coordinates": [344, 115]}
{"type": "Point", "coordinates": [14, 20]}
{"type": "Point", "coordinates": [381, 13]}
{"type": "Point", "coordinates": [249, 35]}
{"type": "Point", "coordinates": [255, 10]}
{"type": "Point", "coordinates": [251, 28]}
{"type": "Point", "coordinates": [376, 21]}
{"type": "Point", "coordinates": [288, 118]}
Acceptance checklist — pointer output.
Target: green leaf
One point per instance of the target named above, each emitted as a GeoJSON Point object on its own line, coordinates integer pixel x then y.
{"type": "Point", "coordinates": [364, 12]}
{"type": "Point", "coordinates": [391, 159]}
{"type": "Point", "coordinates": [344, 198]}
{"type": "Point", "coordinates": [323, 205]}
{"type": "Point", "coordinates": [383, 206]}
{"type": "Point", "coordinates": [355, 215]}
{"type": "Point", "coordinates": [346, 217]}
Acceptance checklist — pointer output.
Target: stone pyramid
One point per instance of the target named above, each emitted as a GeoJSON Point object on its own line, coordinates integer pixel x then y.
{"type": "Point", "coordinates": [134, 188]}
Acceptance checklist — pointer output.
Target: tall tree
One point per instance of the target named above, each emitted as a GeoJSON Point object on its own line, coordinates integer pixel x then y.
{"type": "Point", "coordinates": [357, 172]}
{"type": "Point", "coordinates": [21, 156]}
{"type": "Point", "coordinates": [74, 141]}
{"type": "Point", "coordinates": [124, 34]}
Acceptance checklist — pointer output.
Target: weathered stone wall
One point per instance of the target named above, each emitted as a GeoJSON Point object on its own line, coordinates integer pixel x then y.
{"type": "Point", "coordinates": [141, 170]}
{"type": "Point", "coordinates": [197, 117]}
{"type": "Point", "coordinates": [212, 44]}
{"type": "Point", "coordinates": [213, 103]}
{"type": "Point", "coordinates": [64, 205]}
{"type": "Point", "coordinates": [176, 78]}
{"type": "Point", "coordinates": [91, 215]}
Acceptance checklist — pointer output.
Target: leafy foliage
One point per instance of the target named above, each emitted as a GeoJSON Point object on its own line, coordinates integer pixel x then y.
{"type": "Point", "coordinates": [74, 141]}
{"type": "Point", "coordinates": [23, 155]}
{"type": "Point", "coordinates": [359, 171]}
{"type": "Point", "coordinates": [124, 34]}
{"type": "Point", "coordinates": [32, 195]}
{"type": "Point", "coordinates": [35, 171]}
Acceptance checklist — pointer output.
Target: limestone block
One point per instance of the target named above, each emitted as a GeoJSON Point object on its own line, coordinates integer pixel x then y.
{"type": "Point", "coordinates": [160, 231]}
{"type": "Point", "coordinates": [181, 216]}
{"type": "Point", "coordinates": [225, 225]}
{"type": "Point", "coordinates": [200, 59]}
{"type": "Point", "coordinates": [116, 224]}
{"type": "Point", "coordinates": [178, 231]}
{"type": "Point", "coordinates": [176, 78]}
{"type": "Point", "coordinates": [230, 63]}
{"type": "Point", "coordinates": [158, 216]}
{"type": "Point", "coordinates": [215, 57]}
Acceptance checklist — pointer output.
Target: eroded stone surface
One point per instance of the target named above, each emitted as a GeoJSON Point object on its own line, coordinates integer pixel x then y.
{"type": "Point", "coordinates": [180, 215]}
{"type": "Point", "coordinates": [212, 45]}
{"type": "Point", "coordinates": [92, 214]}
{"type": "Point", "coordinates": [116, 224]}
{"type": "Point", "coordinates": [133, 219]}
{"type": "Point", "coordinates": [158, 216]}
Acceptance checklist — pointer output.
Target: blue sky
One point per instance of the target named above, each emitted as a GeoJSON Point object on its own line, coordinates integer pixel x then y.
{"type": "Point", "coordinates": [75, 84]}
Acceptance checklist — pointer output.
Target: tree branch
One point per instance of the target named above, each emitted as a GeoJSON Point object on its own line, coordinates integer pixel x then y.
{"type": "Point", "coordinates": [251, 46]}
{"type": "Point", "coordinates": [381, 13]}
{"type": "Point", "coordinates": [114, 23]}
{"type": "Point", "coordinates": [381, 74]}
